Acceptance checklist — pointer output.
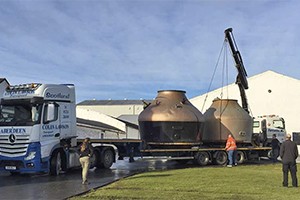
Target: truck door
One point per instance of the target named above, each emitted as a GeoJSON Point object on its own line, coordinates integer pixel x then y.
{"type": "Point", "coordinates": [50, 132]}
{"type": "Point", "coordinates": [65, 120]}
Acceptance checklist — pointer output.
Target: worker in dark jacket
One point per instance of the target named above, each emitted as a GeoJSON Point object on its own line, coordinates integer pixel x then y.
{"type": "Point", "coordinates": [289, 154]}
{"type": "Point", "coordinates": [275, 148]}
{"type": "Point", "coordinates": [85, 152]}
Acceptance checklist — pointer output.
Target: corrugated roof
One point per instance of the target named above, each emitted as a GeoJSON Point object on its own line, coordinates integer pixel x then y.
{"type": "Point", "coordinates": [112, 102]}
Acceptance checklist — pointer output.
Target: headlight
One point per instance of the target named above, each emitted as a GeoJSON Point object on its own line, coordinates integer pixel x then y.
{"type": "Point", "coordinates": [31, 155]}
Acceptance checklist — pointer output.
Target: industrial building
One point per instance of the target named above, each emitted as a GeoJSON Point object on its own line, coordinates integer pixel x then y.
{"type": "Point", "coordinates": [120, 115]}
{"type": "Point", "coordinates": [113, 108]}
{"type": "Point", "coordinates": [269, 93]}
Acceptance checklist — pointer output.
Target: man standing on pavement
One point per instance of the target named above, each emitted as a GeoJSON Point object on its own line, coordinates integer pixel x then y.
{"type": "Point", "coordinates": [85, 152]}
{"type": "Point", "coordinates": [289, 154]}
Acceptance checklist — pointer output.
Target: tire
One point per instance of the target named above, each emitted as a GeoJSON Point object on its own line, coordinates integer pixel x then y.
{"type": "Point", "coordinates": [55, 163]}
{"type": "Point", "coordinates": [96, 160]}
{"type": "Point", "coordinates": [201, 158]}
{"type": "Point", "coordinates": [270, 154]}
{"type": "Point", "coordinates": [240, 157]}
{"type": "Point", "coordinates": [220, 157]}
{"type": "Point", "coordinates": [107, 158]}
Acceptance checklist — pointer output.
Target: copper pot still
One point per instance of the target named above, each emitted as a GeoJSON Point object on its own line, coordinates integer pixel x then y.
{"type": "Point", "coordinates": [171, 119]}
{"type": "Point", "coordinates": [226, 116]}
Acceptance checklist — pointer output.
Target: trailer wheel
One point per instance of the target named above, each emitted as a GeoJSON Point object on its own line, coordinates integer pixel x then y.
{"type": "Point", "coordinates": [201, 158]}
{"type": "Point", "coordinates": [55, 163]}
{"type": "Point", "coordinates": [270, 154]}
{"type": "Point", "coordinates": [107, 158]}
{"type": "Point", "coordinates": [96, 159]}
{"type": "Point", "coordinates": [93, 161]}
{"type": "Point", "coordinates": [240, 157]}
{"type": "Point", "coordinates": [220, 157]}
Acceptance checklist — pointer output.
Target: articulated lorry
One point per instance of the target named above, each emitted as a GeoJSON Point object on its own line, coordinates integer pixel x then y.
{"type": "Point", "coordinates": [38, 131]}
{"type": "Point", "coordinates": [171, 126]}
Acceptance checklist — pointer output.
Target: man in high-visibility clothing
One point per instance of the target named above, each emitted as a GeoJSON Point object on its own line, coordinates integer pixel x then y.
{"type": "Point", "coordinates": [231, 150]}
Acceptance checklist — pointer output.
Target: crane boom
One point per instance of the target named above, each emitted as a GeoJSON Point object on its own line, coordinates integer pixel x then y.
{"type": "Point", "coordinates": [241, 79]}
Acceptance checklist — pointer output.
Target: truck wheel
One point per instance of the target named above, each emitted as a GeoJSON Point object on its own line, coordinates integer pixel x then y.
{"type": "Point", "coordinates": [55, 163]}
{"type": "Point", "coordinates": [220, 157]}
{"type": "Point", "coordinates": [95, 160]}
{"type": "Point", "coordinates": [240, 157]}
{"type": "Point", "coordinates": [270, 154]}
{"type": "Point", "coordinates": [107, 158]}
{"type": "Point", "coordinates": [201, 158]}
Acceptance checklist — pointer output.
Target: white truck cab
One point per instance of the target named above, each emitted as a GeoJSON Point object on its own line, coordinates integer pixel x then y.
{"type": "Point", "coordinates": [267, 125]}
{"type": "Point", "coordinates": [37, 124]}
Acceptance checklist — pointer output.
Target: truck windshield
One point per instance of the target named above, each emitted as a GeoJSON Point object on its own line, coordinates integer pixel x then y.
{"type": "Point", "coordinates": [20, 114]}
{"type": "Point", "coordinates": [278, 124]}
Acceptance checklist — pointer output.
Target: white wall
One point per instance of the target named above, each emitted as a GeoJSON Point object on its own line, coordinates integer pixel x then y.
{"type": "Point", "coordinates": [115, 110]}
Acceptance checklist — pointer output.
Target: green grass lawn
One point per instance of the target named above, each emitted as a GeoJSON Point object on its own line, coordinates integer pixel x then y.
{"type": "Point", "coordinates": [242, 182]}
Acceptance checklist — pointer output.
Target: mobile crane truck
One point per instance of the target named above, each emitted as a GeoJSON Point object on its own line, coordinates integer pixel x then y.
{"type": "Point", "coordinates": [172, 126]}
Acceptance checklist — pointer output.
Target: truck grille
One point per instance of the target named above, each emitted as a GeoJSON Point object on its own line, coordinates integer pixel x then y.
{"type": "Point", "coordinates": [13, 146]}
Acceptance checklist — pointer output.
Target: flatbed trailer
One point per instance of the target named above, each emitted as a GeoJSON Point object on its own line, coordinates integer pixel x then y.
{"type": "Point", "coordinates": [107, 151]}
{"type": "Point", "coordinates": [206, 155]}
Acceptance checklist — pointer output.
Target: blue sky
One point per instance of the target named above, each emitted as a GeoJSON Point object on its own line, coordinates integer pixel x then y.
{"type": "Point", "coordinates": [131, 49]}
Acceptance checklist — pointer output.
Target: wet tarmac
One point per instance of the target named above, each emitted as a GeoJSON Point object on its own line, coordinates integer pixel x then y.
{"type": "Point", "coordinates": [66, 185]}
{"type": "Point", "coordinates": [24, 186]}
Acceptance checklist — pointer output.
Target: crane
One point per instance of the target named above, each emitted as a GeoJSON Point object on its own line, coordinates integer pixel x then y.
{"type": "Point", "coordinates": [241, 79]}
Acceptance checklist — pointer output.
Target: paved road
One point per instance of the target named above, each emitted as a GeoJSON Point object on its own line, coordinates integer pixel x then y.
{"type": "Point", "coordinates": [66, 185]}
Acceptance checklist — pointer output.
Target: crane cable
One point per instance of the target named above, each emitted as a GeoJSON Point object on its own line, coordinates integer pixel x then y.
{"type": "Point", "coordinates": [225, 71]}
{"type": "Point", "coordinates": [214, 73]}
{"type": "Point", "coordinates": [224, 77]}
{"type": "Point", "coordinates": [225, 68]}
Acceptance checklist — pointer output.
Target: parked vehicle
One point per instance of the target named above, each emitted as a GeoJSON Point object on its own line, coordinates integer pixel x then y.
{"type": "Point", "coordinates": [267, 125]}
{"type": "Point", "coordinates": [38, 131]}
